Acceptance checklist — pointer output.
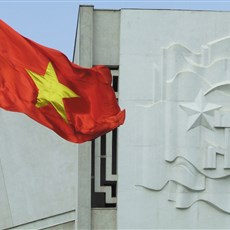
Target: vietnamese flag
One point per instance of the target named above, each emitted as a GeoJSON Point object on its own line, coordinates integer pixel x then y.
{"type": "Point", "coordinates": [77, 103]}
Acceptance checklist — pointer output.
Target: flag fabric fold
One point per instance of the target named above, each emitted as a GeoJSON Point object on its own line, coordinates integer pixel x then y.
{"type": "Point", "coordinates": [77, 103]}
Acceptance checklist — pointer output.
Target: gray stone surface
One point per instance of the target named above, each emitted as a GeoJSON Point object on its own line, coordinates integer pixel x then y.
{"type": "Point", "coordinates": [5, 214]}
{"type": "Point", "coordinates": [38, 168]}
{"type": "Point", "coordinates": [173, 151]}
{"type": "Point", "coordinates": [104, 218]}
{"type": "Point", "coordinates": [66, 226]}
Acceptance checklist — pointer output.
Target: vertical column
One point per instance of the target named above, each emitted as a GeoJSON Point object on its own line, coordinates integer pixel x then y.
{"type": "Point", "coordinates": [210, 158]}
{"type": "Point", "coordinates": [83, 184]}
{"type": "Point", "coordinates": [222, 120]}
{"type": "Point", "coordinates": [83, 53]}
{"type": "Point", "coordinates": [227, 149]}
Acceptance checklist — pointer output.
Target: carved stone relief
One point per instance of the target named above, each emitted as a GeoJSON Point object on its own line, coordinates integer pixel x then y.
{"type": "Point", "coordinates": [188, 154]}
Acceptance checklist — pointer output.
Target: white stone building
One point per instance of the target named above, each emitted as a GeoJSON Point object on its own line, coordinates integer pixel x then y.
{"type": "Point", "coordinates": [168, 166]}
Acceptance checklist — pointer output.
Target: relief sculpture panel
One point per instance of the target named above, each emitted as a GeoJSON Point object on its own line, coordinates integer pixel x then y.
{"type": "Point", "coordinates": [186, 149]}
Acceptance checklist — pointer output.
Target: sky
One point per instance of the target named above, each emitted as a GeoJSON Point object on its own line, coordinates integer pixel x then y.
{"type": "Point", "coordinates": [53, 23]}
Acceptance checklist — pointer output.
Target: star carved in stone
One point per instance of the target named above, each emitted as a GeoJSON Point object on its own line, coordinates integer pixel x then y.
{"type": "Point", "coordinates": [199, 112]}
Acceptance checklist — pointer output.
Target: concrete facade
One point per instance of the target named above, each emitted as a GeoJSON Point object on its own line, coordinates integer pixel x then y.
{"type": "Point", "coordinates": [37, 174]}
{"type": "Point", "coordinates": [97, 33]}
{"type": "Point", "coordinates": [173, 150]}
{"type": "Point", "coordinates": [173, 167]}
{"type": "Point", "coordinates": [174, 77]}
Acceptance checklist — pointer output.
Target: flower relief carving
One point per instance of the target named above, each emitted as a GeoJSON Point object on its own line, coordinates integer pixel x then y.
{"type": "Point", "coordinates": [186, 148]}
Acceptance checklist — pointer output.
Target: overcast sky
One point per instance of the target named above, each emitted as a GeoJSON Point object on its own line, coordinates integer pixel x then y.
{"type": "Point", "coordinates": [53, 23]}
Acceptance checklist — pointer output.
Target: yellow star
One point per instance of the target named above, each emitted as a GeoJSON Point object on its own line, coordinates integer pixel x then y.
{"type": "Point", "coordinates": [50, 90]}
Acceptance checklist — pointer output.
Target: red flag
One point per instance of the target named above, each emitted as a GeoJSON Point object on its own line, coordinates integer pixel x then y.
{"type": "Point", "coordinates": [77, 103]}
